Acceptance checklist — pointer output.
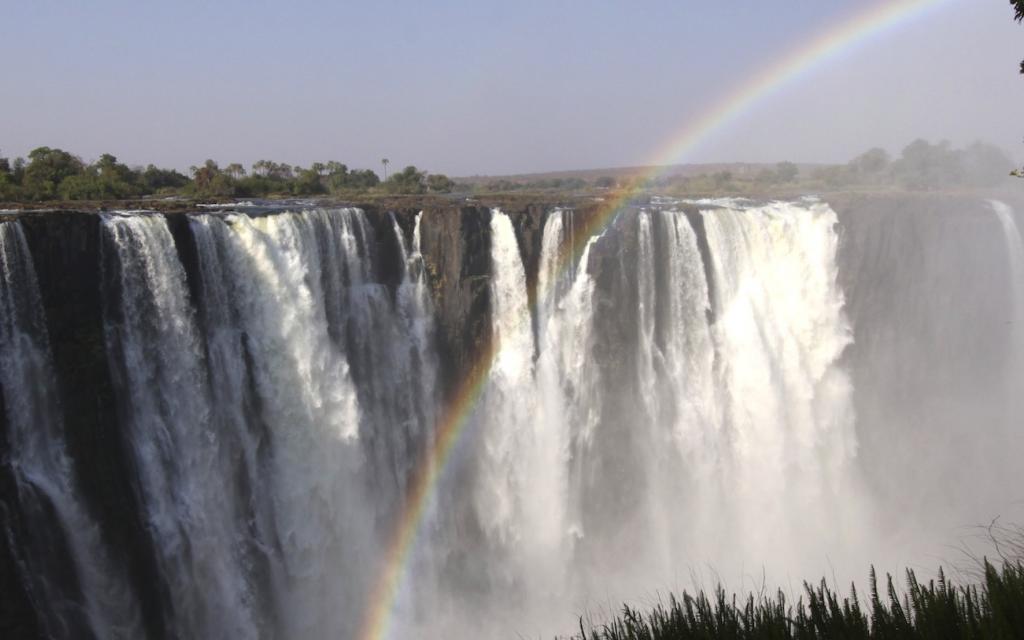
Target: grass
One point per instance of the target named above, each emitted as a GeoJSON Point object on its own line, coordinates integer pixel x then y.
{"type": "Point", "coordinates": [992, 609]}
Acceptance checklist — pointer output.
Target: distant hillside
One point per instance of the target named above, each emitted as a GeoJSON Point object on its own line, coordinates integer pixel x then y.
{"type": "Point", "coordinates": [738, 169]}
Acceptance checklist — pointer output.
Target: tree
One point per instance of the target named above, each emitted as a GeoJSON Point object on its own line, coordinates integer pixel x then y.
{"type": "Point", "coordinates": [155, 179]}
{"type": "Point", "coordinates": [766, 176]}
{"type": "Point", "coordinates": [722, 180]}
{"type": "Point", "coordinates": [209, 180]}
{"type": "Point", "coordinates": [8, 184]}
{"type": "Point", "coordinates": [440, 183]}
{"type": "Point", "coordinates": [307, 183]}
{"type": "Point", "coordinates": [1018, 10]}
{"type": "Point", "coordinates": [363, 179]}
{"type": "Point", "coordinates": [261, 167]}
{"type": "Point", "coordinates": [408, 180]}
{"type": "Point", "coordinates": [83, 187]}
{"type": "Point", "coordinates": [116, 179]}
{"type": "Point", "coordinates": [984, 165]}
{"type": "Point", "coordinates": [235, 170]}
{"type": "Point", "coordinates": [605, 182]}
{"type": "Point", "coordinates": [787, 171]}
{"type": "Point", "coordinates": [832, 176]}
{"type": "Point", "coordinates": [923, 165]}
{"type": "Point", "coordinates": [46, 169]}
{"type": "Point", "coordinates": [385, 162]}
{"type": "Point", "coordinates": [871, 162]}
{"type": "Point", "coordinates": [338, 178]}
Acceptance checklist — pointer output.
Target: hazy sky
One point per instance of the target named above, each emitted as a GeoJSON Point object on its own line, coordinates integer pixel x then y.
{"type": "Point", "coordinates": [490, 87]}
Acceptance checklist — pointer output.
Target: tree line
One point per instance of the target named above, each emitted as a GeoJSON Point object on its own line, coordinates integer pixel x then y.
{"type": "Point", "coordinates": [55, 174]}
{"type": "Point", "coordinates": [921, 166]}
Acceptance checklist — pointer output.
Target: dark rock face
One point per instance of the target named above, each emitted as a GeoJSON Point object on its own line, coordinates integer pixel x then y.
{"type": "Point", "coordinates": [17, 615]}
{"type": "Point", "coordinates": [68, 260]}
{"type": "Point", "coordinates": [386, 253]}
{"type": "Point", "coordinates": [456, 251]}
{"type": "Point", "coordinates": [929, 297]}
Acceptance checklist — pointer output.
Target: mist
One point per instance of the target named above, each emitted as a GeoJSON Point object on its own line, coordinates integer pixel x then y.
{"type": "Point", "coordinates": [538, 368]}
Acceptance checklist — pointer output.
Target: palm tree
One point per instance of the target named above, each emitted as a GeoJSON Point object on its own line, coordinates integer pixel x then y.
{"type": "Point", "coordinates": [385, 162]}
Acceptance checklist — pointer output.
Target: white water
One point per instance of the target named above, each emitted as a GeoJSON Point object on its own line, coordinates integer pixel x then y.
{"type": "Point", "coordinates": [154, 349]}
{"type": "Point", "coordinates": [673, 404]}
{"type": "Point", "coordinates": [309, 483]}
{"type": "Point", "coordinates": [43, 469]}
{"type": "Point", "coordinates": [506, 489]}
{"type": "Point", "coordinates": [532, 426]}
{"type": "Point", "coordinates": [679, 392]}
{"type": "Point", "coordinates": [1007, 450]}
{"type": "Point", "coordinates": [567, 382]}
{"type": "Point", "coordinates": [341, 379]}
{"type": "Point", "coordinates": [780, 331]}
{"type": "Point", "coordinates": [1015, 258]}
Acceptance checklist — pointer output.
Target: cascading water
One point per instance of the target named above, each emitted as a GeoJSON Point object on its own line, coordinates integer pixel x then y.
{"type": "Point", "coordinates": [416, 312]}
{"type": "Point", "coordinates": [519, 504]}
{"type": "Point", "coordinates": [276, 271]}
{"type": "Point", "coordinates": [155, 355]}
{"type": "Point", "coordinates": [1015, 258]}
{"type": "Point", "coordinates": [677, 382]}
{"type": "Point", "coordinates": [567, 383]}
{"type": "Point", "coordinates": [680, 395]}
{"type": "Point", "coordinates": [1014, 376]}
{"type": "Point", "coordinates": [780, 330]}
{"type": "Point", "coordinates": [93, 599]}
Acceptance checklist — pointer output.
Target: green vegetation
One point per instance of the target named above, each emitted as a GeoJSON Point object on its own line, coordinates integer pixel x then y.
{"type": "Point", "coordinates": [54, 174]}
{"type": "Point", "coordinates": [991, 610]}
{"type": "Point", "coordinates": [504, 185]}
{"type": "Point", "coordinates": [922, 166]}
{"type": "Point", "coordinates": [1018, 11]}
{"type": "Point", "coordinates": [1018, 15]}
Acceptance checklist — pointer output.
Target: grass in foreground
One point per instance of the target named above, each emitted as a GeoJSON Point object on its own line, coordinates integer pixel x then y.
{"type": "Point", "coordinates": [990, 610]}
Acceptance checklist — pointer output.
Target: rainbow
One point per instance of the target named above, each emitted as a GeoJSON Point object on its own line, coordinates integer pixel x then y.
{"type": "Point", "coordinates": [880, 17]}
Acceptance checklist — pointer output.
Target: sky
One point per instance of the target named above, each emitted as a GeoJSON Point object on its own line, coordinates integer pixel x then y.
{"type": "Point", "coordinates": [480, 87]}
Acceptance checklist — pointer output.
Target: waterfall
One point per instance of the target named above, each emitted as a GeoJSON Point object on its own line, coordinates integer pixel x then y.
{"type": "Point", "coordinates": [275, 272]}
{"type": "Point", "coordinates": [44, 472]}
{"type": "Point", "coordinates": [329, 386]}
{"type": "Point", "coordinates": [415, 309]}
{"type": "Point", "coordinates": [155, 355]}
{"type": "Point", "coordinates": [688, 354]}
{"type": "Point", "coordinates": [510, 421]}
{"type": "Point", "coordinates": [567, 383]}
{"type": "Point", "coordinates": [1009, 448]}
{"type": "Point", "coordinates": [678, 396]}
{"type": "Point", "coordinates": [535, 417]}
{"type": "Point", "coordinates": [780, 330]}
{"type": "Point", "coordinates": [678, 386]}
{"type": "Point", "coordinates": [1015, 257]}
